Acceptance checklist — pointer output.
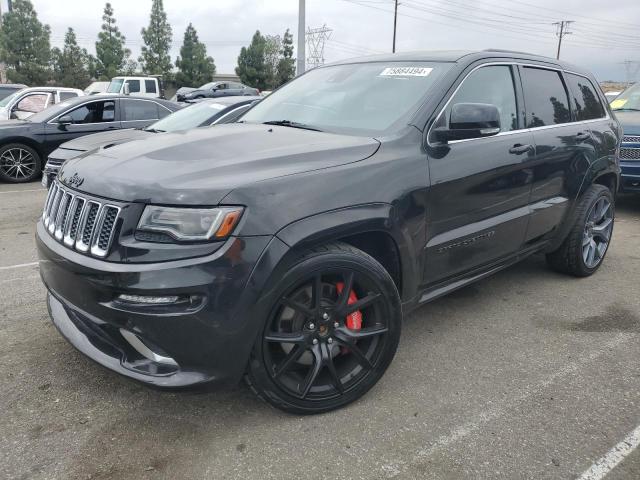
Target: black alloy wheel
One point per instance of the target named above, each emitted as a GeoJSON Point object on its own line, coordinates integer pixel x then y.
{"type": "Point", "coordinates": [330, 334]}
{"type": "Point", "coordinates": [586, 244]}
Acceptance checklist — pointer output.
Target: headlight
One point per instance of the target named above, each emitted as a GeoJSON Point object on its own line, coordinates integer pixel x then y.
{"type": "Point", "coordinates": [190, 224]}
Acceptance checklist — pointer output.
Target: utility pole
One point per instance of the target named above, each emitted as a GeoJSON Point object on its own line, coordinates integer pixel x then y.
{"type": "Point", "coordinates": [562, 30]}
{"type": "Point", "coordinates": [395, 22]}
{"type": "Point", "coordinates": [301, 39]}
{"type": "Point", "coordinates": [631, 68]}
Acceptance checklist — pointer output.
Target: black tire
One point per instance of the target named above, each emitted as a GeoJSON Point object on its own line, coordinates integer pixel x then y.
{"type": "Point", "coordinates": [19, 163]}
{"type": "Point", "coordinates": [336, 372]}
{"type": "Point", "coordinates": [570, 256]}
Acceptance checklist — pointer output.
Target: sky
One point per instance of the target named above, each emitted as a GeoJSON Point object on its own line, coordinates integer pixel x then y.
{"type": "Point", "coordinates": [604, 34]}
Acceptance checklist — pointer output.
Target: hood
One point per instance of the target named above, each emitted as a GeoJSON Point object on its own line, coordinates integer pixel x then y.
{"type": "Point", "coordinates": [104, 139]}
{"type": "Point", "coordinates": [201, 166]}
{"type": "Point", "coordinates": [630, 122]}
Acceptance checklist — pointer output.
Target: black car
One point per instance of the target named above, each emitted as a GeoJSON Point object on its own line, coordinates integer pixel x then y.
{"type": "Point", "coordinates": [206, 112]}
{"type": "Point", "coordinates": [287, 248]}
{"type": "Point", "coordinates": [218, 89]}
{"type": "Point", "coordinates": [25, 144]}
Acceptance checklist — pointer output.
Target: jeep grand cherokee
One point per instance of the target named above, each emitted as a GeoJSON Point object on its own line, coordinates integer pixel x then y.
{"type": "Point", "coordinates": [286, 248]}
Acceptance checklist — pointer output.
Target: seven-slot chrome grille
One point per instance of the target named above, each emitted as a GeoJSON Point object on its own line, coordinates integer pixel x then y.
{"type": "Point", "coordinates": [85, 224]}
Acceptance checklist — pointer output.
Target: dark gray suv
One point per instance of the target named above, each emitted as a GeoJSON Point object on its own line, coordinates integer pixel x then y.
{"type": "Point", "coordinates": [287, 248]}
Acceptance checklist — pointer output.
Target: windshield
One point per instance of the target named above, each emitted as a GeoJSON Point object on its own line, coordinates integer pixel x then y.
{"type": "Point", "coordinates": [7, 100]}
{"type": "Point", "coordinates": [207, 86]}
{"type": "Point", "coordinates": [115, 85]}
{"type": "Point", "coordinates": [360, 99]}
{"type": "Point", "coordinates": [628, 100]}
{"type": "Point", "coordinates": [188, 117]}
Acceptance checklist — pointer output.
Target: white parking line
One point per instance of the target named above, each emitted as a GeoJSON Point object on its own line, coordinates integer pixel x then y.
{"type": "Point", "coordinates": [498, 410]}
{"type": "Point", "coordinates": [20, 191]}
{"type": "Point", "coordinates": [20, 265]}
{"type": "Point", "coordinates": [613, 457]}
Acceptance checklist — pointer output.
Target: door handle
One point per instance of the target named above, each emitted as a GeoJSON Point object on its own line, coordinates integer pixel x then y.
{"type": "Point", "coordinates": [519, 148]}
{"type": "Point", "coordinates": [582, 136]}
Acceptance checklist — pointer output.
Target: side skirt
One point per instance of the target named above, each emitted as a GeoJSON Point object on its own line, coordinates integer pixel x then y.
{"type": "Point", "coordinates": [439, 290]}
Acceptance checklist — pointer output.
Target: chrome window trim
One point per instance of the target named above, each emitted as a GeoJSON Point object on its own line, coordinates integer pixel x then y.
{"type": "Point", "coordinates": [52, 121]}
{"type": "Point", "coordinates": [510, 132]}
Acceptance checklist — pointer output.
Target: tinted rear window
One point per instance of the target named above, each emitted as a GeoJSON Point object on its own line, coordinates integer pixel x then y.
{"type": "Point", "coordinates": [150, 86]}
{"type": "Point", "coordinates": [139, 110]}
{"type": "Point", "coordinates": [584, 99]}
{"type": "Point", "coordinates": [545, 97]}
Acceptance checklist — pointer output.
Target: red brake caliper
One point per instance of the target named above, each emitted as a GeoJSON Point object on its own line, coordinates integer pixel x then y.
{"type": "Point", "coordinates": [353, 320]}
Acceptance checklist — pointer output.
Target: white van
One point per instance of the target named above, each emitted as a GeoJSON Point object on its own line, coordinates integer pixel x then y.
{"type": "Point", "coordinates": [137, 86]}
{"type": "Point", "coordinates": [24, 103]}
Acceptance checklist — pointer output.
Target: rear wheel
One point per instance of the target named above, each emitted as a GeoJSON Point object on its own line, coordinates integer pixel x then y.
{"type": "Point", "coordinates": [19, 163]}
{"type": "Point", "coordinates": [583, 251]}
{"type": "Point", "coordinates": [332, 331]}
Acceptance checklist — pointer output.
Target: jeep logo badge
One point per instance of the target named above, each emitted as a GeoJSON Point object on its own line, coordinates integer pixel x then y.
{"type": "Point", "coordinates": [74, 181]}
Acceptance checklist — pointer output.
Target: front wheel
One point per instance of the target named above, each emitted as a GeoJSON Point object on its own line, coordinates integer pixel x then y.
{"type": "Point", "coordinates": [19, 163]}
{"type": "Point", "coordinates": [583, 251]}
{"type": "Point", "coordinates": [332, 331]}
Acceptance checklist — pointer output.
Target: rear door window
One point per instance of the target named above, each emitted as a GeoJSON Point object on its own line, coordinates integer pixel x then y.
{"type": "Point", "coordinates": [545, 97]}
{"type": "Point", "coordinates": [584, 98]}
{"type": "Point", "coordinates": [150, 86]}
{"type": "Point", "coordinates": [67, 95]}
{"type": "Point", "coordinates": [139, 110]}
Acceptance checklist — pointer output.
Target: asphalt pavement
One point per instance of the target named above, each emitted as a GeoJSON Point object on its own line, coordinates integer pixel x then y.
{"type": "Point", "coordinates": [526, 375]}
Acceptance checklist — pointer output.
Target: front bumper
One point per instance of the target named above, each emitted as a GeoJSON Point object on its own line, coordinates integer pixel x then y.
{"type": "Point", "coordinates": [203, 342]}
{"type": "Point", "coordinates": [630, 176]}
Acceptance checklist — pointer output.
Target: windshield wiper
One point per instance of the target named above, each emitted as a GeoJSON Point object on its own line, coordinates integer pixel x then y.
{"type": "Point", "coordinates": [154, 130]}
{"type": "Point", "coordinates": [289, 123]}
{"type": "Point", "coordinates": [626, 109]}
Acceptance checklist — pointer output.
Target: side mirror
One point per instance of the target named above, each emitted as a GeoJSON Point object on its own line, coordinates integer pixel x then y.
{"type": "Point", "coordinates": [126, 89]}
{"type": "Point", "coordinates": [470, 120]}
{"type": "Point", "coordinates": [65, 120]}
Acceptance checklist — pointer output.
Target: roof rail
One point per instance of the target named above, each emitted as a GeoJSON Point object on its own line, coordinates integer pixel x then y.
{"type": "Point", "coordinates": [500, 50]}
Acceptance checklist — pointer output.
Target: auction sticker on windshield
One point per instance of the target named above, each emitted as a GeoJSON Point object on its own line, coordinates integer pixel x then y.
{"type": "Point", "coordinates": [406, 72]}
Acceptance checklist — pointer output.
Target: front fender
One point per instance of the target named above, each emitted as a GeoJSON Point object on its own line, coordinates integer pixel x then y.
{"type": "Point", "coordinates": [359, 220]}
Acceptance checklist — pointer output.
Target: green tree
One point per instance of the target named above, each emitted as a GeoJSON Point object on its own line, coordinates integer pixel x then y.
{"type": "Point", "coordinates": [252, 68]}
{"type": "Point", "coordinates": [195, 68]}
{"type": "Point", "coordinates": [111, 54]}
{"type": "Point", "coordinates": [24, 45]}
{"type": "Point", "coordinates": [71, 65]}
{"type": "Point", "coordinates": [272, 49]}
{"type": "Point", "coordinates": [286, 69]}
{"type": "Point", "coordinates": [155, 59]}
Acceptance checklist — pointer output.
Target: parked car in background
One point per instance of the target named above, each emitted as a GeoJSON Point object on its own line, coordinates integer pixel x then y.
{"type": "Point", "coordinates": [137, 86]}
{"type": "Point", "coordinates": [286, 247]}
{"type": "Point", "coordinates": [210, 111]}
{"type": "Point", "coordinates": [626, 108]}
{"type": "Point", "coordinates": [96, 88]}
{"type": "Point", "coordinates": [25, 144]}
{"type": "Point", "coordinates": [24, 103]}
{"type": "Point", "coordinates": [7, 89]}
{"type": "Point", "coordinates": [217, 89]}
{"type": "Point", "coordinates": [610, 96]}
